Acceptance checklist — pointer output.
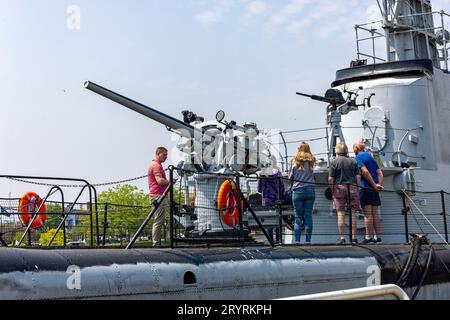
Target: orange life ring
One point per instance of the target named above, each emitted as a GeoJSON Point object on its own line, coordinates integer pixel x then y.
{"type": "Point", "coordinates": [28, 204]}
{"type": "Point", "coordinates": [227, 203]}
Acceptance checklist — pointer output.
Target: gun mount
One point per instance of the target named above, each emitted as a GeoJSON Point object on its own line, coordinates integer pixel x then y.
{"type": "Point", "coordinates": [208, 146]}
{"type": "Point", "coordinates": [215, 146]}
{"type": "Point", "coordinates": [332, 96]}
{"type": "Point", "coordinates": [337, 107]}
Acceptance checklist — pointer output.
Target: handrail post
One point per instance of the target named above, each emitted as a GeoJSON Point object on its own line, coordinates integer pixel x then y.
{"type": "Point", "coordinates": [444, 213]}
{"type": "Point", "coordinates": [405, 216]}
{"type": "Point", "coordinates": [171, 205]}
{"type": "Point", "coordinates": [64, 233]}
{"type": "Point", "coordinates": [261, 227]}
{"type": "Point", "coordinates": [357, 41]}
{"type": "Point", "coordinates": [62, 206]}
{"type": "Point", "coordinates": [349, 210]}
{"type": "Point", "coordinates": [105, 224]}
{"type": "Point", "coordinates": [91, 223]}
{"type": "Point", "coordinates": [29, 237]}
{"type": "Point", "coordinates": [280, 212]}
{"type": "Point", "coordinates": [239, 207]}
{"type": "Point", "coordinates": [286, 163]}
{"type": "Point", "coordinates": [328, 146]}
{"type": "Point", "coordinates": [372, 32]}
{"type": "Point", "coordinates": [445, 40]}
{"type": "Point", "coordinates": [97, 228]}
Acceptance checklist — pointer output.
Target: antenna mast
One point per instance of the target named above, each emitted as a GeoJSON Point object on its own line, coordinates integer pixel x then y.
{"type": "Point", "coordinates": [410, 31]}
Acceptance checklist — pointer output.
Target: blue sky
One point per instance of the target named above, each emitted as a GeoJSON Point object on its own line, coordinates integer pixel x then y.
{"type": "Point", "coordinates": [245, 57]}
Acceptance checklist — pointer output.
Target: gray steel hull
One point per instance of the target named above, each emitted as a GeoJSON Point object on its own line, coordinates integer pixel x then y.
{"type": "Point", "coordinates": [217, 273]}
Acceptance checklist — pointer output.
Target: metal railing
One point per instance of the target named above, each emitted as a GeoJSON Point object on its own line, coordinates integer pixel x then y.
{"type": "Point", "coordinates": [396, 151]}
{"type": "Point", "coordinates": [399, 210]}
{"type": "Point", "coordinates": [258, 223]}
{"type": "Point", "coordinates": [54, 188]}
{"type": "Point", "coordinates": [368, 32]}
{"type": "Point", "coordinates": [365, 293]}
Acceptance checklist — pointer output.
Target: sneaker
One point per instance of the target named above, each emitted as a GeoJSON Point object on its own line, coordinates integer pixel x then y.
{"type": "Point", "coordinates": [367, 241]}
{"type": "Point", "coordinates": [341, 241]}
{"type": "Point", "coordinates": [378, 240]}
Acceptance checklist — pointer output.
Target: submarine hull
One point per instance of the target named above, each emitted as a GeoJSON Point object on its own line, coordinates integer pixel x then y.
{"type": "Point", "coordinates": [219, 273]}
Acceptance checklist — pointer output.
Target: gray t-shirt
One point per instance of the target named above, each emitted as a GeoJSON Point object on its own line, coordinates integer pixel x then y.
{"type": "Point", "coordinates": [344, 170]}
{"type": "Point", "coordinates": [303, 178]}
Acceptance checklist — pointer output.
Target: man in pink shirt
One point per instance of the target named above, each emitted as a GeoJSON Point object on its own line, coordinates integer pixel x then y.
{"type": "Point", "coordinates": [157, 184]}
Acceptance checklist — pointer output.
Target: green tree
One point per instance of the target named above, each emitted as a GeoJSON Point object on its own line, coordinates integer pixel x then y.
{"type": "Point", "coordinates": [126, 194]}
{"type": "Point", "coordinates": [127, 208]}
{"type": "Point", "coordinates": [58, 241]}
{"type": "Point", "coordinates": [53, 220]}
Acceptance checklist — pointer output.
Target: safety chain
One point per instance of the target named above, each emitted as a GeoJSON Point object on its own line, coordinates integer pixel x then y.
{"type": "Point", "coordinates": [78, 185]}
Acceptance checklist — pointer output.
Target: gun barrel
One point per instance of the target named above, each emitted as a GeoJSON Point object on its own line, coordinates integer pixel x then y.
{"type": "Point", "coordinates": [304, 94]}
{"type": "Point", "coordinates": [184, 129]}
{"type": "Point", "coordinates": [317, 98]}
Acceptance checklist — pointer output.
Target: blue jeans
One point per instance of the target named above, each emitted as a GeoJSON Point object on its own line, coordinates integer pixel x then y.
{"type": "Point", "coordinates": [303, 201]}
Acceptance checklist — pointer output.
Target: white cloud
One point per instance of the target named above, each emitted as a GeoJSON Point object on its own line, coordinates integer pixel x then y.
{"type": "Point", "coordinates": [226, 5]}
{"type": "Point", "coordinates": [302, 18]}
{"type": "Point", "coordinates": [257, 8]}
{"type": "Point", "coordinates": [216, 13]}
{"type": "Point", "coordinates": [323, 19]}
{"type": "Point", "coordinates": [296, 6]}
{"type": "Point", "coordinates": [209, 18]}
{"type": "Point", "coordinates": [295, 16]}
{"type": "Point", "coordinates": [254, 12]}
{"type": "Point", "coordinates": [286, 14]}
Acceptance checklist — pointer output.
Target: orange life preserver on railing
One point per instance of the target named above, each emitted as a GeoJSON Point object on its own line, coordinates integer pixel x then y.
{"type": "Point", "coordinates": [28, 204]}
{"type": "Point", "coordinates": [227, 203]}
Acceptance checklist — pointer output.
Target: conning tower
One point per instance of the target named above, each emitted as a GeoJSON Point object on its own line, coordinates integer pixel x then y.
{"type": "Point", "coordinates": [406, 125]}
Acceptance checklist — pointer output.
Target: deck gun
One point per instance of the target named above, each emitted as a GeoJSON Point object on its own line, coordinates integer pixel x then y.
{"type": "Point", "coordinates": [208, 146]}
{"type": "Point", "coordinates": [337, 107]}
{"type": "Point", "coordinates": [332, 96]}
